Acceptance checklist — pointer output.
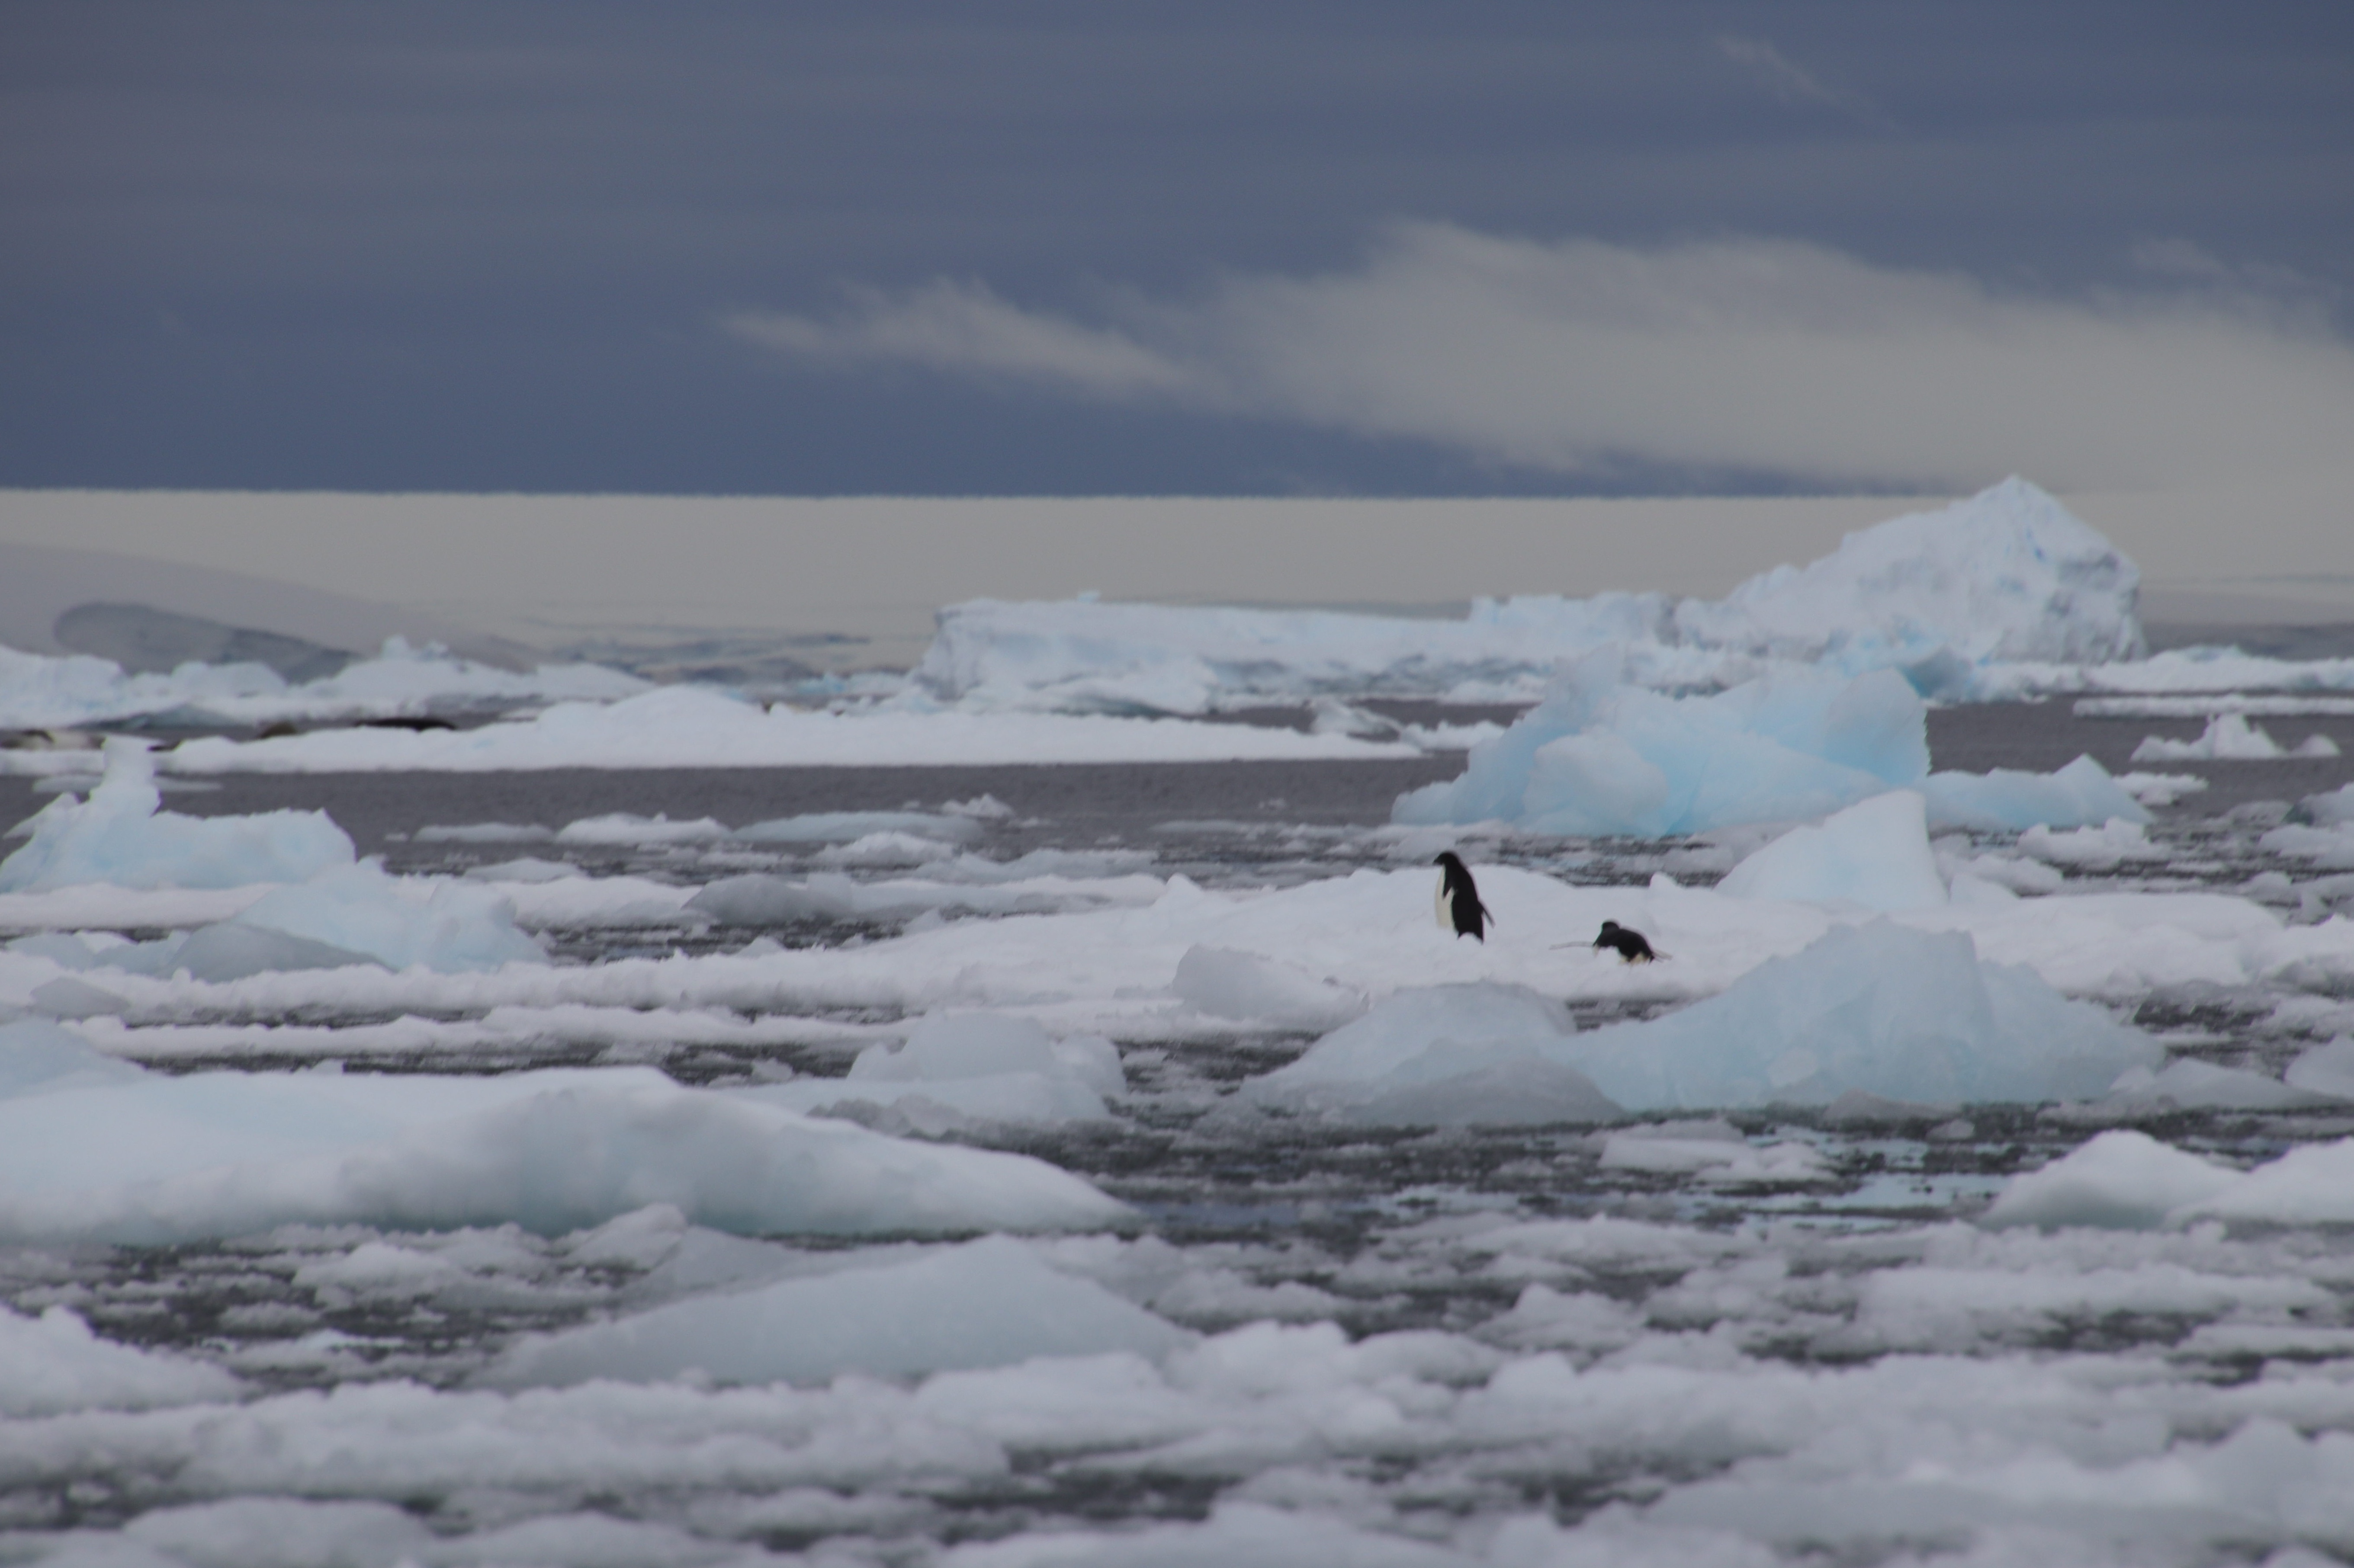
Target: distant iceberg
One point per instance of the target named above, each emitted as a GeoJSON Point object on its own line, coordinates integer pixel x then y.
{"type": "Point", "coordinates": [2008, 576]}
{"type": "Point", "coordinates": [1604, 757]}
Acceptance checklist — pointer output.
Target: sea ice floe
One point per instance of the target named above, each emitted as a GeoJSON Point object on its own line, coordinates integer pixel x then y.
{"type": "Point", "coordinates": [1444, 1055]}
{"type": "Point", "coordinates": [2229, 738]}
{"type": "Point", "coordinates": [121, 837]}
{"type": "Point", "coordinates": [1230, 984]}
{"type": "Point", "coordinates": [988, 1303]}
{"type": "Point", "coordinates": [50, 1363]}
{"type": "Point", "coordinates": [2124, 1180]}
{"type": "Point", "coordinates": [977, 1067]}
{"type": "Point", "coordinates": [160, 1160]}
{"type": "Point", "coordinates": [693, 726]}
{"type": "Point", "coordinates": [1901, 1014]}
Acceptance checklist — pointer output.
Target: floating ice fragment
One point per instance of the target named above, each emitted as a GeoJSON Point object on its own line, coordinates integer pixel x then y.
{"type": "Point", "coordinates": [981, 1067]}
{"type": "Point", "coordinates": [988, 1303]}
{"type": "Point", "coordinates": [2333, 807]}
{"type": "Point", "coordinates": [166, 1160]}
{"type": "Point", "coordinates": [120, 836]}
{"type": "Point", "coordinates": [2082, 794]}
{"type": "Point", "coordinates": [1601, 758]}
{"type": "Point", "coordinates": [1901, 1014]}
{"type": "Point", "coordinates": [2324, 1069]}
{"type": "Point", "coordinates": [1442, 1056]}
{"type": "Point", "coordinates": [38, 1057]}
{"type": "Point", "coordinates": [2189, 1084]}
{"type": "Point", "coordinates": [1875, 853]}
{"type": "Point", "coordinates": [2095, 849]}
{"type": "Point", "coordinates": [53, 1364]}
{"type": "Point", "coordinates": [621, 828]}
{"type": "Point", "coordinates": [2229, 738]}
{"type": "Point", "coordinates": [1228, 984]}
{"type": "Point", "coordinates": [448, 927]}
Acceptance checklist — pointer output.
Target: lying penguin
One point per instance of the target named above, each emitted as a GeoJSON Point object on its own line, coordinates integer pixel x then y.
{"type": "Point", "coordinates": [1631, 945]}
{"type": "Point", "coordinates": [1458, 899]}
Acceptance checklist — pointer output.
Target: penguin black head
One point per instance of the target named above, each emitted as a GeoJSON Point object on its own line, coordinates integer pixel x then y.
{"type": "Point", "coordinates": [1460, 909]}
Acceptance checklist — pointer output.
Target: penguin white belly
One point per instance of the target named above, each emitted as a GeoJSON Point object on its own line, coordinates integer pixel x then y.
{"type": "Point", "coordinates": [1441, 906]}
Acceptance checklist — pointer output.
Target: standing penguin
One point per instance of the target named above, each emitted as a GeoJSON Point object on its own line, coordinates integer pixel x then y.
{"type": "Point", "coordinates": [1460, 909]}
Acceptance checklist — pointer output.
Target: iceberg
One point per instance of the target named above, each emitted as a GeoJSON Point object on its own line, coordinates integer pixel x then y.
{"type": "Point", "coordinates": [122, 837]}
{"type": "Point", "coordinates": [883, 1321]}
{"type": "Point", "coordinates": [1897, 1013]}
{"type": "Point", "coordinates": [447, 927]}
{"type": "Point", "coordinates": [1948, 597]}
{"type": "Point", "coordinates": [1600, 757]}
{"type": "Point", "coordinates": [2127, 1181]}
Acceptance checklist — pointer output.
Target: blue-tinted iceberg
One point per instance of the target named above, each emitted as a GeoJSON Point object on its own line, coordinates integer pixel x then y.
{"type": "Point", "coordinates": [1901, 1014]}
{"type": "Point", "coordinates": [1601, 758]}
{"type": "Point", "coordinates": [120, 836]}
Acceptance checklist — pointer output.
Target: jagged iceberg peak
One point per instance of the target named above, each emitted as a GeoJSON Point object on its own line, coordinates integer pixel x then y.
{"type": "Point", "coordinates": [2008, 575]}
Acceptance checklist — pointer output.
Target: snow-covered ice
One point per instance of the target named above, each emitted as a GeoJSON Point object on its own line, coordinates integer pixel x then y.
{"type": "Point", "coordinates": [2229, 738]}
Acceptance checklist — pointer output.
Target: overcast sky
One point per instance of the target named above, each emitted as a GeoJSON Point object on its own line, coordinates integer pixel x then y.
{"type": "Point", "coordinates": [1622, 248]}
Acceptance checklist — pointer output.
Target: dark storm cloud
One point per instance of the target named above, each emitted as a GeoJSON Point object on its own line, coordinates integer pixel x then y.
{"type": "Point", "coordinates": [489, 245]}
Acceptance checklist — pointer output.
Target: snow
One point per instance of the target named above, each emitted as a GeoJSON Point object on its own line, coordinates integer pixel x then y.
{"type": "Point", "coordinates": [1904, 1015]}
{"type": "Point", "coordinates": [1875, 853]}
{"type": "Point", "coordinates": [52, 1363]}
{"type": "Point", "coordinates": [883, 1321]}
{"type": "Point", "coordinates": [2229, 738]}
{"type": "Point", "coordinates": [121, 835]}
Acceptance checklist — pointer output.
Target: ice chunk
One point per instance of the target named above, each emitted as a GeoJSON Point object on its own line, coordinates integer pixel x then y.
{"type": "Point", "coordinates": [164, 1159]}
{"type": "Point", "coordinates": [2329, 848]}
{"type": "Point", "coordinates": [956, 826]}
{"type": "Point", "coordinates": [985, 1066]}
{"type": "Point", "coordinates": [233, 950]}
{"type": "Point", "coordinates": [2313, 1185]}
{"type": "Point", "coordinates": [1875, 853]}
{"type": "Point", "coordinates": [2229, 738]}
{"type": "Point", "coordinates": [52, 1364]}
{"type": "Point", "coordinates": [1442, 1056]}
{"type": "Point", "coordinates": [621, 828]}
{"type": "Point", "coordinates": [759, 898]}
{"type": "Point", "coordinates": [2324, 1069]}
{"type": "Point", "coordinates": [1714, 1151]}
{"type": "Point", "coordinates": [2190, 1084]}
{"type": "Point", "coordinates": [447, 927]}
{"type": "Point", "coordinates": [38, 1057]}
{"type": "Point", "coordinates": [2122, 1180]}
{"type": "Point", "coordinates": [2335, 807]}
{"type": "Point", "coordinates": [1901, 1014]}
{"type": "Point", "coordinates": [1601, 758]}
{"type": "Point", "coordinates": [120, 836]}
{"type": "Point", "coordinates": [2082, 794]}
{"type": "Point", "coordinates": [2096, 848]}
{"type": "Point", "coordinates": [988, 1303]}
{"type": "Point", "coordinates": [1228, 984]}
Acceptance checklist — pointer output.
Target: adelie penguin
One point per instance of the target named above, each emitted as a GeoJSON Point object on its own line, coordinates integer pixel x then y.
{"type": "Point", "coordinates": [1460, 909]}
{"type": "Point", "coordinates": [1631, 945]}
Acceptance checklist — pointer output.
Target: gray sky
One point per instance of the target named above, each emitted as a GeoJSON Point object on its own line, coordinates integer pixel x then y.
{"type": "Point", "coordinates": [1625, 247]}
